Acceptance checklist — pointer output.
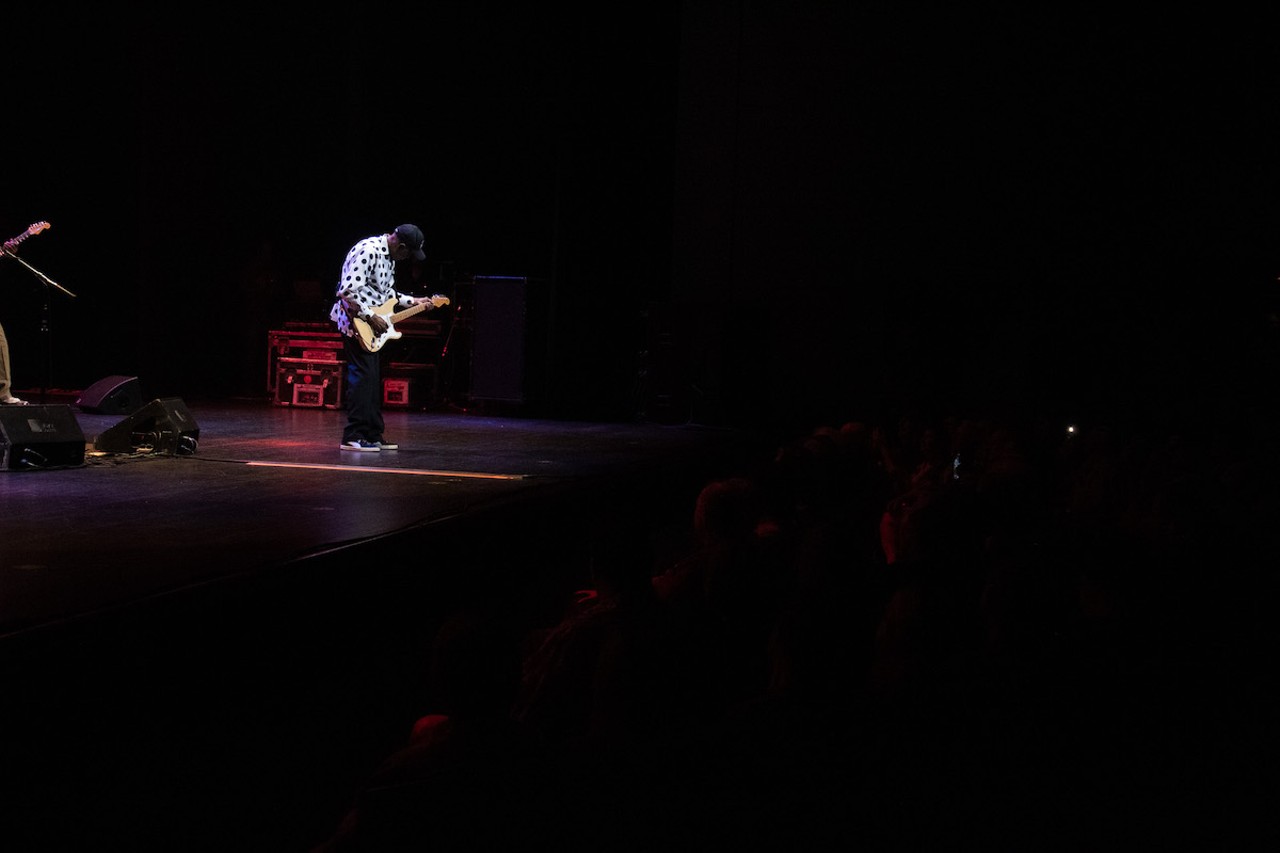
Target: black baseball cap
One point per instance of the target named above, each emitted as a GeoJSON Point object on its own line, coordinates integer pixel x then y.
{"type": "Point", "coordinates": [411, 236]}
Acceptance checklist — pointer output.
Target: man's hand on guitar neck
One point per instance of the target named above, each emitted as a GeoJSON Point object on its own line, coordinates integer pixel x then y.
{"type": "Point", "coordinates": [429, 301]}
{"type": "Point", "coordinates": [433, 302]}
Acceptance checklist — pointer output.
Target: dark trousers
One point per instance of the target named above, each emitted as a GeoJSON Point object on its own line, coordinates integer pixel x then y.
{"type": "Point", "coordinates": [364, 392]}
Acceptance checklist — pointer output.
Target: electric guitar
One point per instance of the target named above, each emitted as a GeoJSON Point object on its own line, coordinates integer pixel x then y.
{"type": "Point", "coordinates": [35, 228]}
{"type": "Point", "coordinates": [372, 342]}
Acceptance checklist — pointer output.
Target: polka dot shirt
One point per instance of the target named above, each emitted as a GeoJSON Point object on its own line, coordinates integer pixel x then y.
{"type": "Point", "coordinates": [368, 279]}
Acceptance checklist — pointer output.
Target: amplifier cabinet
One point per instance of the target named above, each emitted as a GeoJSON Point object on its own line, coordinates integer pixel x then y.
{"type": "Point", "coordinates": [309, 341]}
{"type": "Point", "coordinates": [409, 386]}
{"type": "Point", "coordinates": [309, 384]}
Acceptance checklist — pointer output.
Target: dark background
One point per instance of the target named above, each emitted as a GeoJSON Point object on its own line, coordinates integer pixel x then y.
{"type": "Point", "coordinates": [728, 212]}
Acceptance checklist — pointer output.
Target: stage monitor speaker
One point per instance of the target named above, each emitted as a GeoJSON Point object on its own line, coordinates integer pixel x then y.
{"type": "Point", "coordinates": [497, 342]}
{"type": "Point", "coordinates": [36, 437]}
{"type": "Point", "coordinates": [114, 395]}
{"type": "Point", "coordinates": [161, 426]}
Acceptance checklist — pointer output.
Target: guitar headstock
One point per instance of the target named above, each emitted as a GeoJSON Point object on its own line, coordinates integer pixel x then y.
{"type": "Point", "coordinates": [439, 300]}
{"type": "Point", "coordinates": [37, 227]}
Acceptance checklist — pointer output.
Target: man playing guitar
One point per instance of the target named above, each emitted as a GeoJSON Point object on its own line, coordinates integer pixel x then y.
{"type": "Point", "coordinates": [366, 295]}
{"type": "Point", "coordinates": [6, 387]}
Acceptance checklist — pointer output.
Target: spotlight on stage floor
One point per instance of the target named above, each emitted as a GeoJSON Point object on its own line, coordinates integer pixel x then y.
{"type": "Point", "coordinates": [38, 437]}
{"type": "Point", "coordinates": [165, 426]}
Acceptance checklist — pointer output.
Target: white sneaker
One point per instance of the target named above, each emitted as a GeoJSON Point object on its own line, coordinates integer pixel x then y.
{"type": "Point", "coordinates": [387, 445]}
{"type": "Point", "coordinates": [12, 401]}
{"type": "Point", "coordinates": [361, 445]}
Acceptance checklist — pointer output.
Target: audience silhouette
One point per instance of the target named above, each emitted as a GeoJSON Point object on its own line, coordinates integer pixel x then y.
{"type": "Point", "coordinates": [924, 634]}
{"type": "Point", "coordinates": [468, 774]}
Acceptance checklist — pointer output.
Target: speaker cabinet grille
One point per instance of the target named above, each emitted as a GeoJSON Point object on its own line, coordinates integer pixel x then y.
{"type": "Point", "coordinates": [498, 339]}
{"type": "Point", "coordinates": [35, 437]}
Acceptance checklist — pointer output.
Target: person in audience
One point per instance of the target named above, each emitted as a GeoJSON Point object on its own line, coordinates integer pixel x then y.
{"type": "Point", "coordinates": [469, 774]}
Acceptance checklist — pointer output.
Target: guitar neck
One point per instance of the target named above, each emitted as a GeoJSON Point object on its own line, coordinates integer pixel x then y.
{"type": "Point", "coordinates": [36, 228]}
{"type": "Point", "coordinates": [410, 311]}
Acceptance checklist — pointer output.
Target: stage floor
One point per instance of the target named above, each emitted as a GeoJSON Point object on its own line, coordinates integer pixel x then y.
{"type": "Point", "coordinates": [207, 651]}
{"type": "Point", "coordinates": [269, 485]}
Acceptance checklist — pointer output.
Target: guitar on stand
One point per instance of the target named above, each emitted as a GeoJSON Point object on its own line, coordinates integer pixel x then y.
{"type": "Point", "coordinates": [372, 342]}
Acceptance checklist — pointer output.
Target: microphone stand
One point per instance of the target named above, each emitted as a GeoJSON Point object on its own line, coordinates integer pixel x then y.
{"type": "Point", "coordinates": [45, 324]}
{"type": "Point", "coordinates": [44, 278]}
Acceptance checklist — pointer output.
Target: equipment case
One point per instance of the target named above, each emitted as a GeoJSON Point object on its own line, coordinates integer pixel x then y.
{"type": "Point", "coordinates": [309, 384]}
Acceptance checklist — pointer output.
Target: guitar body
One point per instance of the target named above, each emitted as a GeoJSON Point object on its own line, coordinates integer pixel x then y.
{"type": "Point", "coordinates": [387, 311]}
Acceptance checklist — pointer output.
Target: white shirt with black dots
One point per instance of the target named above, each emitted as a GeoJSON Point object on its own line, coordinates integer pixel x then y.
{"type": "Point", "coordinates": [368, 279]}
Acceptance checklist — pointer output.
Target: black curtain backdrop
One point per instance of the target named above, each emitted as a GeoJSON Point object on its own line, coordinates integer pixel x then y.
{"type": "Point", "coordinates": [764, 214]}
